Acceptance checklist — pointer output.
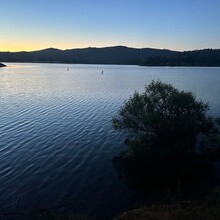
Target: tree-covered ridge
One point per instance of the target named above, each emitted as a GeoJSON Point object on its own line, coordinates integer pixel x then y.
{"type": "Point", "coordinates": [118, 55]}
{"type": "Point", "coordinates": [207, 57]}
{"type": "Point", "coordinates": [107, 55]}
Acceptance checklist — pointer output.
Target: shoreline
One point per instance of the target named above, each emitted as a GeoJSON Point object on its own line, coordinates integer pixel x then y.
{"type": "Point", "coordinates": [109, 64]}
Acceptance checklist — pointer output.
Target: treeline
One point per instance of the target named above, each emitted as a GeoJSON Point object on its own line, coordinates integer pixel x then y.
{"type": "Point", "coordinates": [118, 55]}
{"type": "Point", "coordinates": [206, 57]}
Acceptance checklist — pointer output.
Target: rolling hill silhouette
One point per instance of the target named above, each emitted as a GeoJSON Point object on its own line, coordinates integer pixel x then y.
{"type": "Point", "coordinates": [118, 55]}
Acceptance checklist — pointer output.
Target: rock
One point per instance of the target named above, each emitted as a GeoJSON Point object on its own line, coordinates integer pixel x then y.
{"type": "Point", "coordinates": [2, 65]}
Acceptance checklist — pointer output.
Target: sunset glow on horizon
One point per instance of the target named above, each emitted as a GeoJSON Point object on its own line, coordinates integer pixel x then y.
{"type": "Point", "coordinates": [176, 25]}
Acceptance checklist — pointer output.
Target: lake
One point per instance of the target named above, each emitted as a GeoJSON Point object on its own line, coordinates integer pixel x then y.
{"type": "Point", "coordinates": [56, 137]}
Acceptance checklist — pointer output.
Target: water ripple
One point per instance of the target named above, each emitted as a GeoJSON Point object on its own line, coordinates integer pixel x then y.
{"type": "Point", "coordinates": [56, 138]}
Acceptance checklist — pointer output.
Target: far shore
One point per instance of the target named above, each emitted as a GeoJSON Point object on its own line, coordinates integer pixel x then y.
{"type": "Point", "coordinates": [118, 55]}
{"type": "Point", "coordinates": [115, 64]}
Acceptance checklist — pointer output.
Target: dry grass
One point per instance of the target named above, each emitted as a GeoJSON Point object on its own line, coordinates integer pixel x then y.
{"type": "Point", "coordinates": [177, 211]}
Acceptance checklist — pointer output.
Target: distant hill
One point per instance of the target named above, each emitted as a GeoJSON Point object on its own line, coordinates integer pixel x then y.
{"type": "Point", "coordinates": [2, 65]}
{"type": "Point", "coordinates": [118, 55]}
{"type": "Point", "coordinates": [206, 57]}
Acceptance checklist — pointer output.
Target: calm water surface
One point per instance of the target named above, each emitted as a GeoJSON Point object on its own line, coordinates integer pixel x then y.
{"type": "Point", "coordinates": [56, 138]}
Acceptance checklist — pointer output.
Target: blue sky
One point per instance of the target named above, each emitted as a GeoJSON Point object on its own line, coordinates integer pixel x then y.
{"type": "Point", "coordinates": [171, 24]}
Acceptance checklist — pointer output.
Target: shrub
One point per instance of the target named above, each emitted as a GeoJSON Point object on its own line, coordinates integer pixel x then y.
{"type": "Point", "coordinates": [170, 132]}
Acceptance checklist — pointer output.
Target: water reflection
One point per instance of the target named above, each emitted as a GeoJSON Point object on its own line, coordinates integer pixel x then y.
{"type": "Point", "coordinates": [56, 137]}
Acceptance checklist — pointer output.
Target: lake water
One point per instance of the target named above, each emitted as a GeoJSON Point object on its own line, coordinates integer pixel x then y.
{"type": "Point", "coordinates": [56, 138]}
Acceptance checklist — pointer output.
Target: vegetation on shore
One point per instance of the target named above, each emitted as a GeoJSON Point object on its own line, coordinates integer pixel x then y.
{"type": "Point", "coordinates": [172, 141]}
{"type": "Point", "coordinates": [179, 210]}
{"type": "Point", "coordinates": [185, 210]}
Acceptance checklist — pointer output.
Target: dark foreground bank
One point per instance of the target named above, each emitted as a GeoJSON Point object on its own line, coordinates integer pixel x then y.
{"type": "Point", "coordinates": [176, 211]}
{"type": "Point", "coordinates": [173, 210]}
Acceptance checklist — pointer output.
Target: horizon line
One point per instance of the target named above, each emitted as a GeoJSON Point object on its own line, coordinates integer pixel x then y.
{"type": "Point", "coordinates": [94, 47]}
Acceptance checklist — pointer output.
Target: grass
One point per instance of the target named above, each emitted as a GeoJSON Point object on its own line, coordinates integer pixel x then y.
{"type": "Point", "coordinates": [187, 210]}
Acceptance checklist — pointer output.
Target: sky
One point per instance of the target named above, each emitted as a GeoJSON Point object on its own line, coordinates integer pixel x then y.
{"type": "Point", "coordinates": [27, 25]}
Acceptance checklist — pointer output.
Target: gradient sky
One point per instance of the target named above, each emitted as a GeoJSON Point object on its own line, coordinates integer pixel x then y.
{"type": "Point", "coordinates": [172, 24]}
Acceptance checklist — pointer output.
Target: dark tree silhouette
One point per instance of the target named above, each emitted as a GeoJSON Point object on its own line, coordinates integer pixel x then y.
{"type": "Point", "coordinates": [169, 129]}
